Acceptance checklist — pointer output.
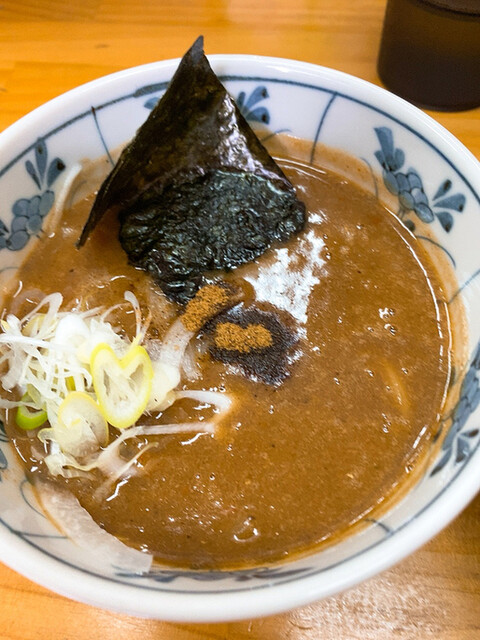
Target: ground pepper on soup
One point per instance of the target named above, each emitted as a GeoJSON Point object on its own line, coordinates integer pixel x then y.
{"type": "Point", "coordinates": [298, 458]}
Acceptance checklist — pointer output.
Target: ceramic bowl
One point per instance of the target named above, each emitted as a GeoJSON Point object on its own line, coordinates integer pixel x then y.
{"type": "Point", "coordinates": [434, 183]}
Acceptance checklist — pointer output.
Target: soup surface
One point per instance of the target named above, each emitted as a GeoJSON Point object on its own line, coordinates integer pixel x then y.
{"type": "Point", "coordinates": [292, 464]}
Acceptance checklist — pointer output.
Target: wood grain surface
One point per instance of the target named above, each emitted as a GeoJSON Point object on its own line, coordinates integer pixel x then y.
{"type": "Point", "coordinates": [48, 47]}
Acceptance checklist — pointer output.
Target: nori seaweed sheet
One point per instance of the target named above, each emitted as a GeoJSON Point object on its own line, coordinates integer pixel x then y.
{"type": "Point", "coordinates": [195, 190]}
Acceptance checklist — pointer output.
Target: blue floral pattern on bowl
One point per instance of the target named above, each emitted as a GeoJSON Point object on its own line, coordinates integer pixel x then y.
{"type": "Point", "coordinates": [408, 187]}
{"type": "Point", "coordinates": [29, 213]}
{"type": "Point", "coordinates": [250, 108]}
{"type": "Point", "coordinates": [460, 440]}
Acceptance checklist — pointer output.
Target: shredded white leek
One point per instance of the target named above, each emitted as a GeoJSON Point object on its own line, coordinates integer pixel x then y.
{"type": "Point", "coordinates": [79, 526]}
{"type": "Point", "coordinates": [109, 461]}
{"type": "Point", "coordinates": [221, 401]}
{"type": "Point", "coordinates": [50, 358]}
{"type": "Point", "coordinates": [174, 344]}
{"type": "Point", "coordinates": [61, 200]}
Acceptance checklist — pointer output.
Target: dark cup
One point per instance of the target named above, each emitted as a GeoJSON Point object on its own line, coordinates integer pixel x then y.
{"type": "Point", "coordinates": [430, 52]}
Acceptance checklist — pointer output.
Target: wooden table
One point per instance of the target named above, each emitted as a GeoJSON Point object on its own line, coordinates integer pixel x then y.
{"type": "Point", "coordinates": [50, 46]}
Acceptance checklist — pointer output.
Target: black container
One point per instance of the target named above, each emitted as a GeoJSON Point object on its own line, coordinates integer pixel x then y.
{"type": "Point", "coordinates": [430, 52]}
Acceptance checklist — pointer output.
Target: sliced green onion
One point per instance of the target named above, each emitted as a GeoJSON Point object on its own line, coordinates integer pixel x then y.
{"type": "Point", "coordinates": [29, 419]}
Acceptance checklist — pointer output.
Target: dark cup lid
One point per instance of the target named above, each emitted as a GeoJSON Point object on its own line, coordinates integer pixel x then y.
{"type": "Point", "coordinates": [470, 7]}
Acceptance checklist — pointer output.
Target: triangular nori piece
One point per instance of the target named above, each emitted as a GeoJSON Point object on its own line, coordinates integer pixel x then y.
{"type": "Point", "coordinates": [195, 190]}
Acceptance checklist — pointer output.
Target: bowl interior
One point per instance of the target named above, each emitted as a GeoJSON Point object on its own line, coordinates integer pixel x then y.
{"type": "Point", "coordinates": [430, 180]}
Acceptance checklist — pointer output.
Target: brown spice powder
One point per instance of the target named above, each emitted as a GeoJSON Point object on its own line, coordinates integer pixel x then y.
{"type": "Point", "coordinates": [208, 301]}
{"type": "Point", "coordinates": [233, 337]}
{"type": "Point", "coordinates": [268, 363]}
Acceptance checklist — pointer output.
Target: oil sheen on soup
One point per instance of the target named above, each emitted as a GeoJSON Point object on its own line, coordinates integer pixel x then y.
{"type": "Point", "coordinates": [296, 463]}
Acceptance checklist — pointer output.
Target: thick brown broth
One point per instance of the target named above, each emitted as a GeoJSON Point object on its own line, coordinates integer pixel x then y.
{"type": "Point", "coordinates": [292, 465]}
